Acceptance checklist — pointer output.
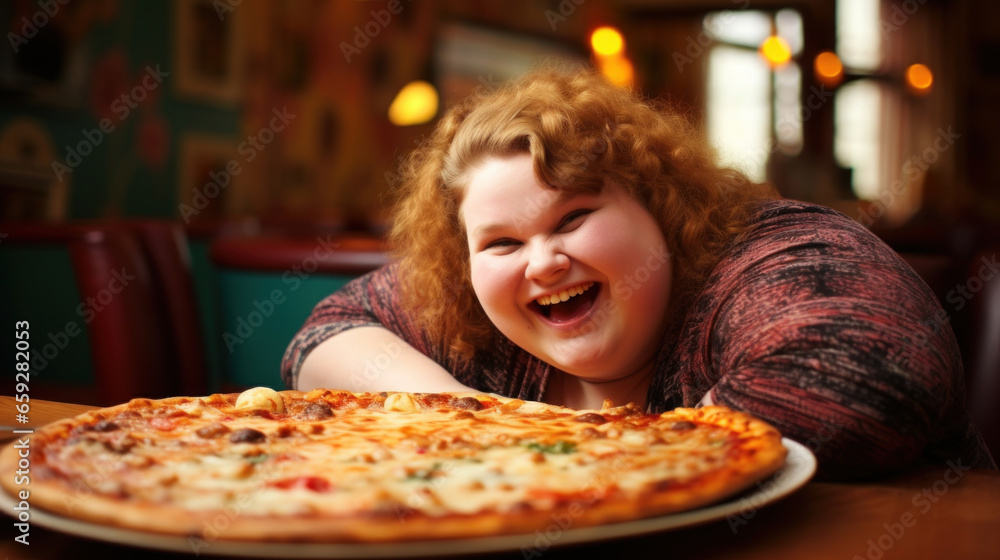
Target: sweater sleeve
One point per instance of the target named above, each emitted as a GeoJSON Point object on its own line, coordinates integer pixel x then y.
{"type": "Point", "coordinates": [825, 332]}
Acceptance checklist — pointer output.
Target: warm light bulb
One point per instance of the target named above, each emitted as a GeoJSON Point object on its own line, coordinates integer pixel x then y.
{"type": "Point", "coordinates": [829, 70]}
{"type": "Point", "coordinates": [607, 41]}
{"type": "Point", "coordinates": [416, 103]}
{"type": "Point", "coordinates": [775, 51]}
{"type": "Point", "coordinates": [919, 78]}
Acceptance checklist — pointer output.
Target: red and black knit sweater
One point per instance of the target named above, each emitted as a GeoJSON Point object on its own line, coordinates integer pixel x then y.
{"type": "Point", "coordinates": [808, 321]}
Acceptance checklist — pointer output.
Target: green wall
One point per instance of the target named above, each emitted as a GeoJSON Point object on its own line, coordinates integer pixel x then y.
{"type": "Point", "coordinates": [115, 179]}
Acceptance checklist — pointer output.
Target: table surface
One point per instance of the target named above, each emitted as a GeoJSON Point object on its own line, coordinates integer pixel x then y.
{"type": "Point", "coordinates": [936, 511]}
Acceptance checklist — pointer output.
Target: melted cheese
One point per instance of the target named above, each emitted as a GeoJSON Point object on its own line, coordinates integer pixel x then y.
{"type": "Point", "coordinates": [401, 458]}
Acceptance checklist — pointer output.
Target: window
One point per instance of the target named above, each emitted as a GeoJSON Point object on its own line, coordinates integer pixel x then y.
{"type": "Point", "coordinates": [748, 104]}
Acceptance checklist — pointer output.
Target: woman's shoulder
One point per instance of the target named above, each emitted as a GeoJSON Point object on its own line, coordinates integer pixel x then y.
{"type": "Point", "coordinates": [790, 213]}
{"type": "Point", "coordinates": [783, 224]}
{"type": "Point", "coordinates": [792, 249]}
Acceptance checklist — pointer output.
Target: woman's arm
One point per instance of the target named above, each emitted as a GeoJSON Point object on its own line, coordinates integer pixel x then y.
{"type": "Point", "coordinates": [373, 359]}
{"type": "Point", "coordinates": [360, 339]}
{"type": "Point", "coordinates": [817, 327]}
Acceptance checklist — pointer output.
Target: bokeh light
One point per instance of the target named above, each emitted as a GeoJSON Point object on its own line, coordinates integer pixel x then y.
{"type": "Point", "coordinates": [828, 68]}
{"type": "Point", "coordinates": [775, 51]}
{"type": "Point", "coordinates": [416, 103]}
{"type": "Point", "coordinates": [919, 79]}
{"type": "Point", "coordinates": [607, 41]}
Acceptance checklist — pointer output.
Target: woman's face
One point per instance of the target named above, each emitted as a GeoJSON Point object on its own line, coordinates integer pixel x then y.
{"type": "Point", "coordinates": [580, 281]}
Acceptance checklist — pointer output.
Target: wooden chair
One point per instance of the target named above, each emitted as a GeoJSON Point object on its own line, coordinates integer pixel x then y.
{"type": "Point", "coordinates": [165, 246]}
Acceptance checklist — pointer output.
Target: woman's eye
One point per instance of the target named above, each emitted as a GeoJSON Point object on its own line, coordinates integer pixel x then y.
{"type": "Point", "coordinates": [501, 243]}
{"type": "Point", "coordinates": [572, 218]}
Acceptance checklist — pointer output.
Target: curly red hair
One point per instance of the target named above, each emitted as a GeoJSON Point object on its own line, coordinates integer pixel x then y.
{"type": "Point", "coordinates": [582, 133]}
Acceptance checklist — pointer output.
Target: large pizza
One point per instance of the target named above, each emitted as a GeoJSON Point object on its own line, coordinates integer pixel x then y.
{"type": "Point", "coordinates": [336, 466]}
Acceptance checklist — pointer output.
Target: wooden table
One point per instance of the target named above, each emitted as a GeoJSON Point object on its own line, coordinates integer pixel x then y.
{"type": "Point", "coordinates": [933, 512]}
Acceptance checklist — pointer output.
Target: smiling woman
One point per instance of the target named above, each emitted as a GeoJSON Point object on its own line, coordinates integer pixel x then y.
{"type": "Point", "coordinates": [563, 240]}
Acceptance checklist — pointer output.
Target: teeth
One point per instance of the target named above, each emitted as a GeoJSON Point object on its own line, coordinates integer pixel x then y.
{"type": "Point", "coordinates": [564, 295]}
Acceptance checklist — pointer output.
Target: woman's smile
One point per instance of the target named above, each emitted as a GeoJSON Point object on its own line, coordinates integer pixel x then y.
{"type": "Point", "coordinates": [567, 305]}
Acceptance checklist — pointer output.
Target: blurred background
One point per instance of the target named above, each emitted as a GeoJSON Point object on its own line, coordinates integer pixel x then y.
{"type": "Point", "coordinates": [181, 181]}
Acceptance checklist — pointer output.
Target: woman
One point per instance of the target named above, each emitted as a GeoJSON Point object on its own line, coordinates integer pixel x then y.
{"type": "Point", "coordinates": [561, 240]}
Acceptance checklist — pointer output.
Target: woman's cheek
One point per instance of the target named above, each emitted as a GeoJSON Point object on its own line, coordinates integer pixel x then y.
{"type": "Point", "coordinates": [488, 281]}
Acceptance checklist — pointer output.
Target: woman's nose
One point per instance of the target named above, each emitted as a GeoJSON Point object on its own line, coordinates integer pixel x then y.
{"type": "Point", "coordinates": [546, 261]}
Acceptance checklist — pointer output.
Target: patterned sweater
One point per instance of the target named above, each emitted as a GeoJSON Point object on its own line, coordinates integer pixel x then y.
{"type": "Point", "coordinates": [807, 321]}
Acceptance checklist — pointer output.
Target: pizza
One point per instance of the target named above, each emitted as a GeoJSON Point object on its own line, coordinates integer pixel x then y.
{"type": "Point", "coordinates": [337, 466]}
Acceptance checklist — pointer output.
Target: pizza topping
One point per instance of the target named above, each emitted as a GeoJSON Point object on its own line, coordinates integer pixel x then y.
{"type": "Point", "coordinates": [313, 483]}
{"type": "Point", "coordinates": [261, 397]}
{"type": "Point", "coordinates": [683, 426]}
{"type": "Point", "coordinates": [511, 405]}
{"type": "Point", "coordinates": [105, 426]}
{"type": "Point", "coordinates": [591, 418]}
{"type": "Point", "coordinates": [257, 458]}
{"type": "Point", "coordinates": [467, 403]}
{"type": "Point", "coordinates": [315, 411]}
{"type": "Point", "coordinates": [401, 402]}
{"type": "Point", "coordinates": [121, 445]}
{"type": "Point", "coordinates": [562, 447]}
{"type": "Point", "coordinates": [425, 473]}
{"type": "Point", "coordinates": [247, 435]}
{"type": "Point", "coordinates": [212, 431]}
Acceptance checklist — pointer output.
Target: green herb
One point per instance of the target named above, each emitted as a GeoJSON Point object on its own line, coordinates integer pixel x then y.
{"type": "Point", "coordinates": [425, 474]}
{"type": "Point", "coordinates": [257, 458]}
{"type": "Point", "coordinates": [559, 448]}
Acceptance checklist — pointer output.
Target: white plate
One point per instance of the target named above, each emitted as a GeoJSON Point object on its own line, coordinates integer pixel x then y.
{"type": "Point", "coordinates": [800, 466]}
